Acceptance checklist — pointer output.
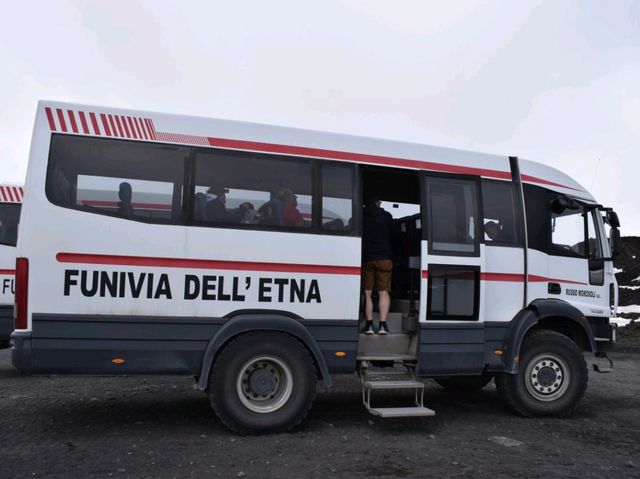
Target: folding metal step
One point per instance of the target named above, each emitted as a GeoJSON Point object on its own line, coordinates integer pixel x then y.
{"type": "Point", "coordinates": [393, 380]}
{"type": "Point", "coordinates": [393, 384]}
{"type": "Point", "coordinates": [390, 412]}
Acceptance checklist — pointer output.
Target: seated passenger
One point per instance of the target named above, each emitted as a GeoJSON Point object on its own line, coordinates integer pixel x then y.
{"type": "Point", "coordinates": [492, 230]}
{"type": "Point", "coordinates": [125, 193]}
{"type": "Point", "coordinates": [271, 211]}
{"type": "Point", "coordinates": [248, 213]}
{"type": "Point", "coordinates": [216, 206]}
{"type": "Point", "coordinates": [291, 216]}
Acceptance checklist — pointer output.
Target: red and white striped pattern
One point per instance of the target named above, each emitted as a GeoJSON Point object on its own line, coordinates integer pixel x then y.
{"type": "Point", "coordinates": [100, 124]}
{"type": "Point", "coordinates": [184, 139]}
{"type": "Point", "coordinates": [11, 194]}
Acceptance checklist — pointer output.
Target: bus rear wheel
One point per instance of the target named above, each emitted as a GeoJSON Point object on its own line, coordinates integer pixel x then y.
{"type": "Point", "coordinates": [551, 380]}
{"type": "Point", "coordinates": [262, 382]}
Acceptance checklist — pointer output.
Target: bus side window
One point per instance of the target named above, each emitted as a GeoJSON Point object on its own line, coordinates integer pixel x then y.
{"type": "Point", "coordinates": [132, 180]}
{"type": "Point", "coordinates": [499, 213]}
{"type": "Point", "coordinates": [252, 189]}
{"type": "Point", "coordinates": [337, 197]}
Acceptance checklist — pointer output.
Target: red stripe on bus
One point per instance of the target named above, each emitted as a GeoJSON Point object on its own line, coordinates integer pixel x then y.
{"type": "Point", "coordinates": [542, 279]}
{"type": "Point", "coordinates": [63, 125]}
{"type": "Point", "coordinates": [148, 206]}
{"type": "Point", "coordinates": [7, 271]}
{"type": "Point", "coordinates": [516, 277]}
{"type": "Point", "coordinates": [125, 126]}
{"type": "Point", "coordinates": [83, 122]}
{"type": "Point", "coordinates": [113, 125]}
{"type": "Point", "coordinates": [133, 130]}
{"type": "Point", "coordinates": [144, 129]}
{"type": "Point", "coordinates": [105, 124]}
{"type": "Point", "coordinates": [135, 122]}
{"type": "Point", "coordinates": [502, 277]}
{"type": "Point", "coordinates": [150, 128]}
{"type": "Point", "coordinates": [376, 159]}
{"type": "Point", "coordinates": [72, 120]}
{"type": "Point", "coordinates": [52, 123]}
{"type": "Point", "coordinates": [9, 193]}
{"type": "Point", "coordinates": [120, 130]}
{"type": "Point", "coordinates": [205, 264]}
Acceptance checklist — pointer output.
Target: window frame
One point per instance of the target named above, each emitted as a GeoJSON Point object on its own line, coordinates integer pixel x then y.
{"type": "Point", "coordinates": [426, 214]}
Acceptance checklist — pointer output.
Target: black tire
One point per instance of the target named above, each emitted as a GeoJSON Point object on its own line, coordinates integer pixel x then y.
{"type": "Point", "coordinates": [464, 384]}
{"type": "Point", "coordinates": [556, 387]}
{"type": "Point", "coordinates": [262, 382]}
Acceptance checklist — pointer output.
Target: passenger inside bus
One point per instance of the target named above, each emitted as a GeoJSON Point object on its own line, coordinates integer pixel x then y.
{"type": "Point", "coordinates": [125, 208]}
{"type": "Point", "coordinates": [291, 215]}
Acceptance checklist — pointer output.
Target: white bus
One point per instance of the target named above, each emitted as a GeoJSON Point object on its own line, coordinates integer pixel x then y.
{"type": "Point", "coordinates": [10, 203]}
{"type": "Point", "coordinates": [502, 267]}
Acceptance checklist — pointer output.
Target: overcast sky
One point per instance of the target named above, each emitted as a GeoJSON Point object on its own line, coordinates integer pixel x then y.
{"type": "Point", "coordinates": [552, 81]}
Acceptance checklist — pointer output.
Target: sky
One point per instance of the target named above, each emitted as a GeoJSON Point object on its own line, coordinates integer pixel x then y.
{"type": "Point", "coordinates": [556, 82]}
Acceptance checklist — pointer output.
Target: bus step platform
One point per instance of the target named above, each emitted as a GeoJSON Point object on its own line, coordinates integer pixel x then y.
{"type": "Point", "coordinates": [393, 380]}
{"type": "Point", "coordinates": [391, 412]}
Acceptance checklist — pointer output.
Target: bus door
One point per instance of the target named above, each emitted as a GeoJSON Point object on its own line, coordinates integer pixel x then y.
{"type": "Point", "coordinates": [452, 259]}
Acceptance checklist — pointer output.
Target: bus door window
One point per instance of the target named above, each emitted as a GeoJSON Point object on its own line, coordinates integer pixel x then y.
{"type": "Point", "coordinates": [594, 248]}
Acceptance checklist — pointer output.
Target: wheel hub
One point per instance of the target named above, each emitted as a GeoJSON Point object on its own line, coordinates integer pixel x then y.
{"type": "Point", "coordinates": [263, 382]}
{"type": "Point", "coordinates": [547, 377]}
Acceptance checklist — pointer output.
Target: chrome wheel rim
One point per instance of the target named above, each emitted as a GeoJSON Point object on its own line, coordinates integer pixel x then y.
{"type": "Point", "coordinates": [547, 377]}
{"type": "Point", "coordinates": [264, 384]}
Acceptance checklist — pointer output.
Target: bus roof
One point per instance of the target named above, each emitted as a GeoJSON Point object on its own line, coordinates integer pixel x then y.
{"type": "Point", "coordinates": [237, 135]}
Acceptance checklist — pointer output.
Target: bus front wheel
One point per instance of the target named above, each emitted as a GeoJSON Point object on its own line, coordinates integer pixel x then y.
{"type": "Point", "coordinates": [551, 380]}
{"type": "Point", "coordinates": [262, 382]}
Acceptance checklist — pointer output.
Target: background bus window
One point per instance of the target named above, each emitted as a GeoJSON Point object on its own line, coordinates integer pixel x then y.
{"type": "Point", "coordinates": [9, 217]}
{"type": "Point", "coordinates": [242, 188]}
{"type": "Point", "coordinates": [568, 233]}
{"type": "Point", "coordinates": [453, 217]}
{"type": "Point", "coordinates": [132, 180]}
{"type": "Point", "coordinates": [337, 197]}
{"type": "Point", "coordinates": [499, 213]}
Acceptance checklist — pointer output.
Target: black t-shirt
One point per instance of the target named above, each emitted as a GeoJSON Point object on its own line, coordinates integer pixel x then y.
{"type": "Point", "coordinates": [376, 234]}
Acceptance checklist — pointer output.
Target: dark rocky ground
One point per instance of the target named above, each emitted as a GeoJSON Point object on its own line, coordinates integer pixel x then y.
{"type": "Point", "coordinates": [162, 427]}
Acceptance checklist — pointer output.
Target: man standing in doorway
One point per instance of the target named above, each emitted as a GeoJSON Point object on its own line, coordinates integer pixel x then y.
{"type": "Point", "coordinates": [376, 262]}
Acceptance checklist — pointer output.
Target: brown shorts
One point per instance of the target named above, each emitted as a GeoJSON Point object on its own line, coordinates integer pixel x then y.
{"type": "Point", "coordinates": [376, 275]}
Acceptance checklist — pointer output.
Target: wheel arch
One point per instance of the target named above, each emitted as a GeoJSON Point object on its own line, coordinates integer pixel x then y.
{"type": "Point", "coordinates": [551, 314]}
{"type": "Point", "coordinates": [249, 321]}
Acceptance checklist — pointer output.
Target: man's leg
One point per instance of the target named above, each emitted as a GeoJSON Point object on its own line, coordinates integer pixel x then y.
{"type": "Point", "coordinates": [384, 302]}
{"type": "Point", "coordinates": [368, 306]}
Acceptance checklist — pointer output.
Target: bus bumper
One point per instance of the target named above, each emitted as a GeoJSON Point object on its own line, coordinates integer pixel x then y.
{"type": "Point", "coordinates": [21, 351]}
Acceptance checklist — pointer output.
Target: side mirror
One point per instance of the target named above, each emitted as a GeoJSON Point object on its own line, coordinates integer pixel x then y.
{"type": "Point", "coordinates": [612, 220]}
{"type": "Point", "coordinates": [614, 242]}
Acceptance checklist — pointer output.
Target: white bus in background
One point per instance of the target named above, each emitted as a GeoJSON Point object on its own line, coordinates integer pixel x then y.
{"type": "Point", "coordinates": [501, 266]}
{"type": "Point", "coordinates": [10, 203]}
